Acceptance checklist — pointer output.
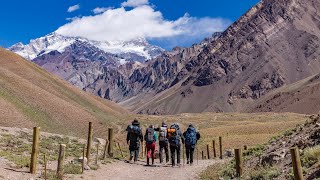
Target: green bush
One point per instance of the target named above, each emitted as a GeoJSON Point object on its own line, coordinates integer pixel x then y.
{"type": "Point", "coordinates": [254, 151]}
{"type": "Point", "coordinates": [263, 173]}
{"type": "Point", "coordinates": [229, 171]}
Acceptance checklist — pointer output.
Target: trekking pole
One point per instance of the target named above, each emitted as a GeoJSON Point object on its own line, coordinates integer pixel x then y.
{"type": "Point", "coordinates": [143, 150]}
{"type": "Point", "coordinates": [183, 159]}
{"type": "Point", "coordinates": [45, 166]}
{"type": "Point", "coordinates": [197, 156]}
{"type": "Point", "coordinates": [120, 149]}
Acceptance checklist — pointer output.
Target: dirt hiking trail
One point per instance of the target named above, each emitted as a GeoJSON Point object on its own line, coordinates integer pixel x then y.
{"type": "Point", "coordinates": [122, 170]}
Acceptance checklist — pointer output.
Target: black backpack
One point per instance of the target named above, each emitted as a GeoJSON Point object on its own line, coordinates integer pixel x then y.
{"type": "Point", "coordinates": [134, 131]}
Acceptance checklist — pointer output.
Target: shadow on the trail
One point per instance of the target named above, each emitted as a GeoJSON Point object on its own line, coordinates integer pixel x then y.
{"type": "Point", "coordinates": [144, 164]}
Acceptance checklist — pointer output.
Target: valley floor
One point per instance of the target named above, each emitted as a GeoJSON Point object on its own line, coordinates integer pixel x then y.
{"type": "Point", "coordinates": [236, 129]}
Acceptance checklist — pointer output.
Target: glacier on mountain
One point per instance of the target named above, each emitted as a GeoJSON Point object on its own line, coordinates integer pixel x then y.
{"type": "Point", "coordinates": [56, 42]}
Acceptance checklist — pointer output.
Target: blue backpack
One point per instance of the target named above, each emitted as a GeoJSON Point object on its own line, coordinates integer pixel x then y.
{"type": "Point", "coordinates": [191, 136]}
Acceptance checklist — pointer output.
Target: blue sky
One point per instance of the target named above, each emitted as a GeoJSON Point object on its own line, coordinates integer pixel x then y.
{"type": "Point", "coordinates": [167, 23]}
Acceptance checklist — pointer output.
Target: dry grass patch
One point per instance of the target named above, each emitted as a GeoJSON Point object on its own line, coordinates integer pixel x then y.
{"type": "Point", "coordinates": [311, 156]}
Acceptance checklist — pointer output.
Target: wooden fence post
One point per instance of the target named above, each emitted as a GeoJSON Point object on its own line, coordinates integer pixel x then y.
{"type": "Point", "coordinates": [110, 139]}
{"type": "Point", "coordinates": [45, 166]}
{"type": "Point", "coordinates": [220, 146]}
{"type": "Point", "coordinates": [61, 161]}
{"type": "Point", "coordinates": [105, 149]}
{"type": "Point", "coordinates": [83, 156]}
{"type": "Point", "coordinates": [296, 163]}
{"type": "Point", "coordinates": [35, 150]}
{"type": "Point", "coordinates": [214, 148]}
{"type": "Point", "coordinates": [208, 151]}
{"type": "Point", "coordinates": [239, 162]}
{"type": "Point", "coordinates": [202, 154]}
{"type": "Point", "coordinates": [89, 142]}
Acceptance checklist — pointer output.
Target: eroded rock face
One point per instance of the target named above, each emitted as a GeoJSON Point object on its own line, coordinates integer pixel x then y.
{"type": "Point", "coordinates": [272, 45]}
{"type": "Point", "coordinates": [270, 42]}
{"type": "Point", "coordinates": [155, 76]}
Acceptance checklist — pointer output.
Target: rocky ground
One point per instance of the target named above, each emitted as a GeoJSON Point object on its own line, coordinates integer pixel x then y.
{"type": "Point", "coordinates": [273, 161]}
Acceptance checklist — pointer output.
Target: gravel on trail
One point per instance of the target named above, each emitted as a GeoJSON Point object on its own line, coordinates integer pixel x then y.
{"type": "Point", "coordinates": [139, 171]}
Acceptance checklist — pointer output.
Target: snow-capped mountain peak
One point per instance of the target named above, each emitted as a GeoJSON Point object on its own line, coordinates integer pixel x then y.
{"type": "Point", "coordinates": [138, 48]}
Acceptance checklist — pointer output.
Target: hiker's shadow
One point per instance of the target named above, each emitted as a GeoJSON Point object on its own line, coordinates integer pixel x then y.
{"type": "Point", "coordinates": [144, 164]}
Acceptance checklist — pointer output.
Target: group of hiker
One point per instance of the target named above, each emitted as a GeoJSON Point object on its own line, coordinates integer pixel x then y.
{"type": "Point", "coordinates": [168, 137]}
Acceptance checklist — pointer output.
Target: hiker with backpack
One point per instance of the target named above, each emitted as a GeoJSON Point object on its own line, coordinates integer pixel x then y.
{"type": "Point", "coordinates": [174, 136]}
{"type": "Point", "coordinates": [151, 139]}
{"type": "Point", "coordinates": [134, 137]}
{"type": "Point", "coordinates": [163, 142]}
{"type": "Point", "coordinates": [191, 137]}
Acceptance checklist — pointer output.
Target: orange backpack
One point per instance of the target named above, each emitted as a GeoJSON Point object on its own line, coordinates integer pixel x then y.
{"type": "Point", "coordinates": [171, 132]}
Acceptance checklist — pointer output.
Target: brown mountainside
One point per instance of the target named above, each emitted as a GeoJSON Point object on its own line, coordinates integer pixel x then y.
{"type": "Point", "coordinates": [31, 96]}
{"type": "Point", "coordinates": [301, 97]}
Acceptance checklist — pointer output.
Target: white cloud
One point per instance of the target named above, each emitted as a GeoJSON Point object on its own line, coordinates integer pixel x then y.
{"type": "Point", "coordinates": [194, 31]}
{"type": "Point", "coordinates": [73, 8]}
{"type": "Point", "coordinates": [134, 3]}
{"type": "Point", "coordinates": [73, 18]}
{"type": "Point", "coordinates": [143, 21]}
{"type": "Point", "coordinates": [99, 10]}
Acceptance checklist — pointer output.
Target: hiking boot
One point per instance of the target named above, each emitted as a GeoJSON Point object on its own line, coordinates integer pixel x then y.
{"type": "Point", "coordinates": [188, 162]}
{"type": "Point", "coordinates": [131, 157]}
{"type": "Point", "coordinates": [148, 162]}
{"type": "Point", "coordinates": [173, 165]}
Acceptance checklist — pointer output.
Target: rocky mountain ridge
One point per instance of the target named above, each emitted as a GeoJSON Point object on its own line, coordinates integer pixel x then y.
{"type": "Point", "coordinates": [274, 44]}
{"type": "Point", "coordinates": [134, 50]}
